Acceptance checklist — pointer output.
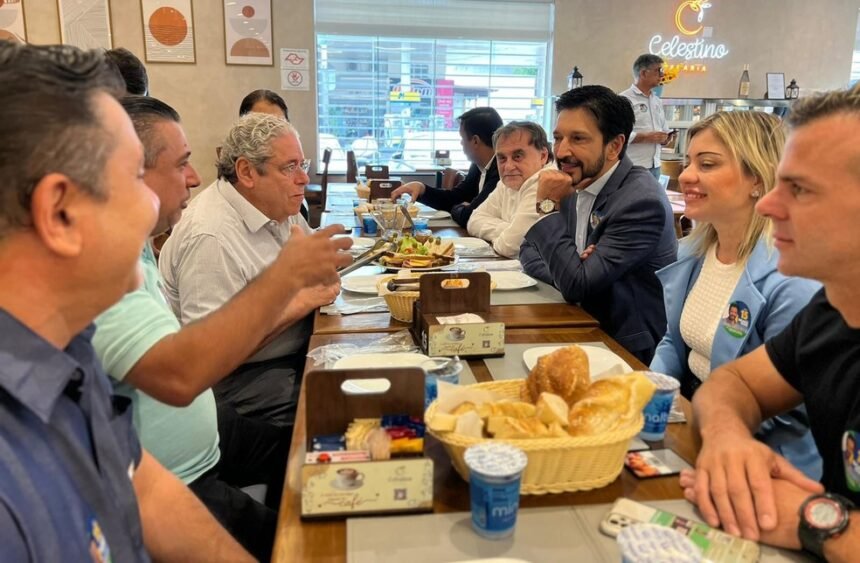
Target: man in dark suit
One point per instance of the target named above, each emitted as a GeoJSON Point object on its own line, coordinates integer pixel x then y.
{"type": "Point", "coordinates": [606, 225]}
{"type": "Point", "coordinates": [476, 136]}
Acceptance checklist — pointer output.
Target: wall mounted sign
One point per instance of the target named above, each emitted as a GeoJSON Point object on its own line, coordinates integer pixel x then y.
{"type": "Point", "coordinates": [168, 31]}
{"type": "Point", "coordinates": [693, 41]}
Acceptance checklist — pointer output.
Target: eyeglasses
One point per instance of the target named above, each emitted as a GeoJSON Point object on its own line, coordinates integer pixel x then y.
{"type": "Point", "coordinates": [293, 167]}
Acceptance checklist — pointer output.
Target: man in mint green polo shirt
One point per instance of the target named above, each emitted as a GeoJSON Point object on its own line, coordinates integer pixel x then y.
{"type": "Point", "coordinates": [167, 369]}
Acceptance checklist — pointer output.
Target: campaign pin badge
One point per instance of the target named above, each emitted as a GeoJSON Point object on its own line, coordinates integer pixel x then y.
{"type": "Point", "coordinates": [737, 319]}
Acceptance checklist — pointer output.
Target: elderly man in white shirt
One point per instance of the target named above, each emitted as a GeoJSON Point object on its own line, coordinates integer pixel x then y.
{"type": "Point", "coordinates": [522, 151]}
{"type": "Point", "coordinates": [228, 235]}
{"type": "Point", "coordinates": [649, 131]}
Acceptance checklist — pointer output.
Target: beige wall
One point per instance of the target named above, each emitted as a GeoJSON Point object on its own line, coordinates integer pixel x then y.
{"type": "Point", "coordinates": [810, 41]}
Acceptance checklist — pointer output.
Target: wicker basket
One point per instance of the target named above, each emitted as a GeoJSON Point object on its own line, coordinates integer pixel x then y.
{"type": "Point", "coordinates": [399, 302]}
{"type": "Point", "coordinates": [556, 465]}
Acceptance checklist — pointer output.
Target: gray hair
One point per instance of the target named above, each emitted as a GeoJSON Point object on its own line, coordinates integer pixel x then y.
{"type": "Point", "coordinates": [537, 136]}
{"type": "Point", "coordinates": [643, 62]}
{"type": "Point", "coordinates": [251, 138]}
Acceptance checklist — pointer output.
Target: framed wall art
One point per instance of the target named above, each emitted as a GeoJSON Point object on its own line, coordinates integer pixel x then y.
{"type": "Point", "coordinates": [168, 31]}
{"type": "Point", "coordinates": [13, 26]}
{"type": "Point", "coordinates": [248, 32]}
{"type": "Point", "coordinates": [85, 23]}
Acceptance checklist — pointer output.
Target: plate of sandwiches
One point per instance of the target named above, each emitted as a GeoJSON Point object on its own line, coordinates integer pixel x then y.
{"type": "Point", "coordinates": [411, 254]}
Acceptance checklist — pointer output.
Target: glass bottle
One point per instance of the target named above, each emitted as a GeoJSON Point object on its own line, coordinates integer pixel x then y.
{"type": "Point", "coordinates": [744, 86]}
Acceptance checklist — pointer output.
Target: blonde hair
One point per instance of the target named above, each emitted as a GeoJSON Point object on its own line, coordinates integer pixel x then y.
{"type": "Point", "coordinates": [755, 141]}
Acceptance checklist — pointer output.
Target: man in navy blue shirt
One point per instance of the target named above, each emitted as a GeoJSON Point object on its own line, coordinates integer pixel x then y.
{"type": "Point", "coordinates": [74, 214]}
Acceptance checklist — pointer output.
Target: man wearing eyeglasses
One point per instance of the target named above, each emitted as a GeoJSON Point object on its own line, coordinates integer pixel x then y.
{"type": "Point", "coordinates": [162, 365]}
{"type": "Point", "coordinates": [231, 233]}
{"type": "Point", "coordinates": [649, 132]}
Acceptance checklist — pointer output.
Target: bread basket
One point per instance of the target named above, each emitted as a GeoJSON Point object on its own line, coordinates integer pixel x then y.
{"type": "Point", "coordinates": [399, 302]}
{"type": "Point", "coordinates": [556, 465]}
{"type": "Point", "coordinates": [363, 191]}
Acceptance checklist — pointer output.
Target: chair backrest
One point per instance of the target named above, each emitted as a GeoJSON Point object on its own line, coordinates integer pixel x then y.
{"type": "Point", "coordinates": [351, 167]}
{"type": "Point", "coordinates": [326, 158]}
{"type": "Point", "coordinates": [376, 171]}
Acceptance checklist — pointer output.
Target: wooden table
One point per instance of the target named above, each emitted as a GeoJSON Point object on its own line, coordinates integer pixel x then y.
{"type": "Point", "coordinates": [539, 315]}
{"type": "Point", "coordinates": [325, 540]}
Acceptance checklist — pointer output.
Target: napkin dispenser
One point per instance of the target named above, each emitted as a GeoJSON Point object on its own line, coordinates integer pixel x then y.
{"type": "Point", "coordinates": [444, 297]}
{"type": "Point", "coordinates": [382, 189]}
{"type": "Point", "coordinates": [333, 399]}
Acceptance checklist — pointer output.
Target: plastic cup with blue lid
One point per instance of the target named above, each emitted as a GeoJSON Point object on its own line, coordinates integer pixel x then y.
{"type": "Point", "coordinates": [646, 543]}
{"type": "Point", "coordinates": [495, 473]}
{"type": "Point", "coordinates": [657, 410]}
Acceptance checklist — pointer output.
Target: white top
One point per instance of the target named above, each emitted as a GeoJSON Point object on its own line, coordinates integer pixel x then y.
{"type": "Point", "coordinates": [585, 203]}
{"type": "Point", "coordinates": [506, 215]}
{"type": "Point", "coordinates": [222, 243]}
{"type": "Point", "coordinates": [649, 117]}
{"type": "Point", "coordinates": [706, 306]}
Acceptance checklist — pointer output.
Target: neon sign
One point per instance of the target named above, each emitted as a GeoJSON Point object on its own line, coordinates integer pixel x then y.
{"type": "Point", "coordinates": [689, 19]}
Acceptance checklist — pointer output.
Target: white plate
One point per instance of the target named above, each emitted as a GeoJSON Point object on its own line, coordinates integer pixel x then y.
{"type": "Point", "coordinates": [360, 284]}
{"type": "Point", "coordinates": [600, 360]}
{"type": "Point", "coordinates": [468, 243]}
{"type": "Point", "coordinates": [434, 214]}
{"type": "Point", "coordinates": [512, 280]}
{"type": "Point", "coordinates": [395, 360]}
{"type": "Point", "coordinates": [363, 242]}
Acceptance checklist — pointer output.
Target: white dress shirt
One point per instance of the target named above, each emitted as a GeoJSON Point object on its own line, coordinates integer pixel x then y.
{"type": "Point", "coordinates": [585, 203]}
{"type": "Point", "coordinates": [222, 243]}
{"type": "Point", "coordinates": [649, 117]}
{"type": "Point", "coordinates": [506, 215]}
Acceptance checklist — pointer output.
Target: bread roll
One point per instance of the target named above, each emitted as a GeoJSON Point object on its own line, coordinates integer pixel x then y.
{"type": "Point", "coordinates": [564, 372]}
{"type": "Point", "coordinates": [509, 428]}
{"type": "Point", "coordinates": [551, 409]}
{"type": "Point", "coordinates": [609, 404]}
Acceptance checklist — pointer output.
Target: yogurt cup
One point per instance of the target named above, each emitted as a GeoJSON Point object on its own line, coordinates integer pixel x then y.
{"type": "Point", "coordinates": [646, 543]}
{"type": "Point", "coordinates": [495, 472]}
{"type": "Point", "coordinates": [658, 408]}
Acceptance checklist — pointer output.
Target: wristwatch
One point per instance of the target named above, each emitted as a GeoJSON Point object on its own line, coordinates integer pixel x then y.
{"type": "Point", "coordinates": [545, 206]}
{"type": "Point", "coordinates": [822, 516]}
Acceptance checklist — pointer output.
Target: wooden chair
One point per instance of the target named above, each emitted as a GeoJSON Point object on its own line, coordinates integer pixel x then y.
{"type": "Point", "coordinates": [683, 225]}
{"type": "Point", "coordinates": [351, 167]}
{"type": "Point", "coordinates": [315, 194]}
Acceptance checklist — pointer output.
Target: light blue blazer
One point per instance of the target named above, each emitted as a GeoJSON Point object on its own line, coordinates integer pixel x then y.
{"type": "Point", "coordinates": [772, 300]}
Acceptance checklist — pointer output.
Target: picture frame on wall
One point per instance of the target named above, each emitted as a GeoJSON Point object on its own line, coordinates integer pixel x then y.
{"type": "Point", "coordinates": [85, 23]}
{"type": "Point", "coordinates": [13, 23]}
{"type": "Point", "coordinates": [248, 32]}
{"type": "Point", "coordinates": [168, 31]}
{"type": "Point", "coordinates": [775, 86]}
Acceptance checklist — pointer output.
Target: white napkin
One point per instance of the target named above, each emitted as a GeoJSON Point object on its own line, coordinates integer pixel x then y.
{"type": "Point", "coordinates": [355, 305]}
{"type": "Point", "coordinates": [465, 318]}
{"type": "Point", "coordinates": [500, 265]}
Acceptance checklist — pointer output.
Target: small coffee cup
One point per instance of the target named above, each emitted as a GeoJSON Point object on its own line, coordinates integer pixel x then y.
{"type": "Point", "coordinates": [348, 477]}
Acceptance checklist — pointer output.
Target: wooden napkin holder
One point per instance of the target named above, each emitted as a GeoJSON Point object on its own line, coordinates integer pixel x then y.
{"type": "Point", "coordinates": [367, 487]}
{"type": "Point", "coordinates": [381, 189]}
{"type": "Point", "coordinates": [441, 296]}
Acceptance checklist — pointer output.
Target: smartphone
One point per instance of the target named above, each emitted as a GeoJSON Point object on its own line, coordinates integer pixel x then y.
{"type": "Point", "coordinates": [716, 545]}
{"type": "Point", "coordinates": [655, 463]}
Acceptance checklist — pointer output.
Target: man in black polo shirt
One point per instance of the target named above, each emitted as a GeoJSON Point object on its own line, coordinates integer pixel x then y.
{"type": "Point", "coordinates": [476, 136]}
{"type": "Point", "coordinates": [74, 214]}
{"type": "Point", "coordinates": [741, 483]}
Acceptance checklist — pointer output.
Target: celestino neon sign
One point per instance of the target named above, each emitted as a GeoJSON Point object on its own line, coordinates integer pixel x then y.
{"type": "Point", "coordinates": [688, 20]}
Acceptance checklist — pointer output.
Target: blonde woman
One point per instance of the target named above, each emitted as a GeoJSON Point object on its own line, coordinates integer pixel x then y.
{"type": "Point", "coordinates": [724, 296]}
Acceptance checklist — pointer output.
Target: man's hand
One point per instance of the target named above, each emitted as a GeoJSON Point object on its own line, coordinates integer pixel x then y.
{"type": "Point", "coordinates": [314, 259]}
{"type": "Point", "coordinates": [415, 189]}
{"type": "Point", "coordinates": [735, 484]}
{"type": "Point", "coordinates": [788, 498]}
{"type": "Point", "coordinates": [587, 252]}
{"type": "Point", "coordinates": [309, 298]}
{"type": "Point", "coordinates": [554, 185]}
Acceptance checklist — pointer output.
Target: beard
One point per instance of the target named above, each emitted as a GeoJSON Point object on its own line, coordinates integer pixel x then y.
{"type": "Point", "coordinates": [583, 170]}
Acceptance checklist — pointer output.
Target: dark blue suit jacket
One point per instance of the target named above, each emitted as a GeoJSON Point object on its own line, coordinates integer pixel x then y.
{"type": "Point", "coordinates": [632, 227]}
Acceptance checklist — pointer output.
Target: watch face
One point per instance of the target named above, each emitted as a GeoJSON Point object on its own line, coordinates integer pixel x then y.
{"type": "Point", "coordinates": [823, 513]}
{"type": "Point", "coordinates": [547, 205]}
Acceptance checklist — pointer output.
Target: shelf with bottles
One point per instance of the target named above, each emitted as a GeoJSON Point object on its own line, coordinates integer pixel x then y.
{"type": "Point", "coordinates": [681, 113]}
